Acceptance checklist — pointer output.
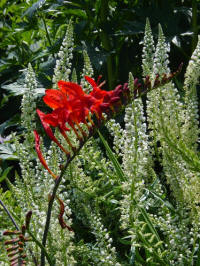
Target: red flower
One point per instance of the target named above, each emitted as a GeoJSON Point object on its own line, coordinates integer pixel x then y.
{"type": "Point", "coordinates": [71, 106]}
{"type": "Point", "coordinates": [39, 153]}
{"type": "Point", "coordinates": [49, 131]}
{"type": "Point", "coordinates": [104, 99]}
{"type": "Point", "coordinates": [71, 89]}
{"type": "Point", "coordinates": [55, 98]}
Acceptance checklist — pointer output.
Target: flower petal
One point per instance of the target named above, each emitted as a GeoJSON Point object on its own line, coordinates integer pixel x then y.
{"type": "Point", "coordinates": [49, 131]}
{"type": "Point", "coordinates": [39, 153]}
{"type": "Point", "coordinates": [91, 81]}
{"type": "Point", "coordinates": [55, 98]}
{"type": "Point", "coordinates": [70, 88]}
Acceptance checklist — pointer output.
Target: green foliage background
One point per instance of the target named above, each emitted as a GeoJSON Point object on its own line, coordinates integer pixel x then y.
{"type": "Point", "coordinates": [32, 31]}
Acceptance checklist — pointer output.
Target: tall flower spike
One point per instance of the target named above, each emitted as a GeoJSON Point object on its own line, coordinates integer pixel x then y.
{"type": "Point", "coordinates": [65, 55]}
{"type": "Point", "coordinates": [191, 123]}
{"type": "Point", "coordinates": [87, 71]}
{"type": "Point", "coordinates": [40, 156]}
{"type": "Point", "coordinates": [161, 60]}
{"type": "Point", "coordinates": [148, 50]}
{"type": "Point", "coordinates": [72, 106]}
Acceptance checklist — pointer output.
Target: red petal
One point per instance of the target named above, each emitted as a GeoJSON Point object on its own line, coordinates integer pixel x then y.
{"type": "Point", "coordinates": [70, 88]}
{"type": "Point", "coordinates": [91, 81]}
{"type": "Point", "coordinates": [98, 93]}
{"type": "Point", "coordinates": [55, 98]}
{"type": "Point", "coordinates": [49, 131]}
{"type": "Point", "coordinates": [39, 153]}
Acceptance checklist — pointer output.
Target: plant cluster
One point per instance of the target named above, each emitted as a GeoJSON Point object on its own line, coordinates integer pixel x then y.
{"type": "Point", "coordinates": [123, 192]}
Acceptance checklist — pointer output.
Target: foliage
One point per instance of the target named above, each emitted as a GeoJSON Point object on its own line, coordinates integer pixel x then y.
{"type": "Point", "coordinates": [129, 200]}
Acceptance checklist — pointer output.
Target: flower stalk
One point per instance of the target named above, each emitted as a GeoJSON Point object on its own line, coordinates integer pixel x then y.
{"type": "Point", "coordinates": [99, 101]}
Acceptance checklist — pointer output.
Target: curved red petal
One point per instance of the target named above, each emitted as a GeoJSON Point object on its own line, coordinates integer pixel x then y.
{"type": "Point", "coordinates": [70, 88]}
{"type": "Point", "coordinates": [39, 153]}
{"type": "Point", "coordinates": [91, 81]}
{"type": "Point", "coordinates": [49, 131]}
{"type": "Point", "coordinates": [55, 98]}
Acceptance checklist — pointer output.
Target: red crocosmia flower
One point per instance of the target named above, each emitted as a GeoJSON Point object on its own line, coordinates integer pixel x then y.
{"type": "Point", "coordinates": [49, 131]}
{"type": "Point", "coordinates": [71, 105]}
{"type": "Point", "coordinates": [39, 153]}
{"type": "Point", "coordinates": [97, 93]}
{"type": "Point", "coordinates": [55, 98]}
{"type": "Point", "coordinates": [58, 118]}
{"type": "Point", "coordinates": [104, 99]}
{"type": "Point", "coordinates": [78, 99]}
{"type": "Point", "coordinates": [70, 88]}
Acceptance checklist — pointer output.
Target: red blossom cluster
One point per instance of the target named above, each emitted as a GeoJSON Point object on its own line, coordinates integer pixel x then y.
{"type": "Point", "coordinates": [72, 106]}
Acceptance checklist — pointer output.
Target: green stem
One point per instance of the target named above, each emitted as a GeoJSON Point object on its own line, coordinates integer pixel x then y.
{"type": "Point", "coordinates": [46, 30]}
{"type": "Point", "coordinates": [42, 248]}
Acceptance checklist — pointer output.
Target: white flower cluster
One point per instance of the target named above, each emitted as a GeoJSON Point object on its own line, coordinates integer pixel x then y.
{"type": "Point", "coordinates": [179, 235]}
{"type": "Point", "coordinates": [136, 150]}
{"type": "Point", "coordinates": [28, 105]}
{"type": "Point", "coordinates": [118, 139]}
{"type": "Point", "coordinates": [163, 103]}
{"type": "Point", "coordinates": [87, 71]}
{"type": "Point", "coordinates": [148, 50]}
{"type": "Point", "coordinates": [191, 123]}
{"type": "Point", "coordinates": [161, 61]}
{"type": "Point", "coordinates": [104, 242]}
{"type": "Point", "coordinates": [63, 63]}
{"type": "Point", "coordinates": [136, 157]}
{"type": "Point", "coordinates": [193, 70]}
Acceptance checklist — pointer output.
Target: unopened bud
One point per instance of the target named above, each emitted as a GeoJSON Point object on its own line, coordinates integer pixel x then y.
{"type": "Point", "coordinates": [9, 232]}
{"type": "Point", "coordinates": [28, 218]}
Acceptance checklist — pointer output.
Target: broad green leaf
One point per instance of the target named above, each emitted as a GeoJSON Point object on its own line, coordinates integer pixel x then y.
{"type": "Point", "coordinates": [7, 152]}
{"type": "Point", "coordinates": [17, 89]}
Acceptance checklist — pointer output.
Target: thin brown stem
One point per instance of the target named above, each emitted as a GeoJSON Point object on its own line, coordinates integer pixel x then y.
{"type": "Point", "coordinates": [9, 215]}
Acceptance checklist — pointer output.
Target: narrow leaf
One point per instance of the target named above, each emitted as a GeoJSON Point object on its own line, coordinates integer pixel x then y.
{"type": "Point", "coordinates": [5, 173]}
{"type": "Point", "coordinates": [112, 158]}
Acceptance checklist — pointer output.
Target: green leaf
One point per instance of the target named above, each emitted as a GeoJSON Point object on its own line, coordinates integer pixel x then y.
{"type": "Point", "coordinates": [113, 159]}
{"type": "Point", "coordinates": [5, 173]}
{"type": "Point", "coordinates": [165, 202]}
{"type": "Point", "coordinates": [34, 8]}
{"type": "Point", "coordinates": [149, 223]}
{"type": "Point", "coordinates": [17, 89]}
{"type": "Point", "coordinates": [13, 121]}
{"type": "Point", "coordinates": [7, 152]}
